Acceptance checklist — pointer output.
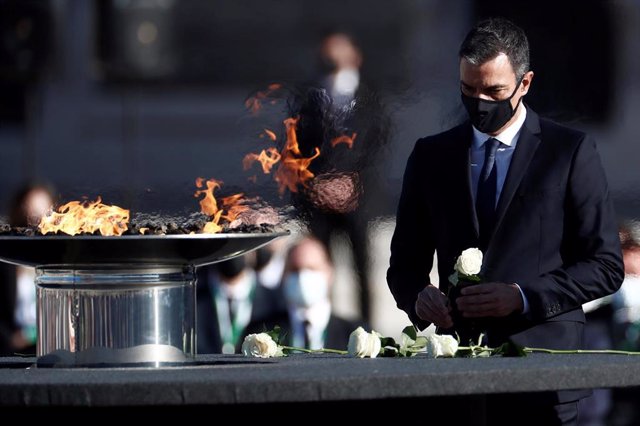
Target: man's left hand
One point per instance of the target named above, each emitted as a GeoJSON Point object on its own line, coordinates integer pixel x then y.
{"type": "Point", "coordinates": [489, 300]}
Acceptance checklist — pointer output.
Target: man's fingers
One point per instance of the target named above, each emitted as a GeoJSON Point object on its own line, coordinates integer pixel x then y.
{"type": "Point", "coordinates": [478, 289]}
{"type": "Point", "coordinates": [431, 312]}
{"type": "Point", "coordinates": [471, 301]}
{"type": "Point", "coordinates": [437, 305]}
{"type": "Point", "coordinates": [489, 300]}
{"type": "Point", "coordinates": [432, 306]}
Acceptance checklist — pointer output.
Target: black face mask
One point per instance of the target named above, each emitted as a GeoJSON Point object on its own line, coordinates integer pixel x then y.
{"type": "Point", "coordinates": [490, 116]}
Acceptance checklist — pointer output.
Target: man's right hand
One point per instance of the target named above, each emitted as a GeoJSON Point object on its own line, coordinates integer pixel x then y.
{"type": "Point", "coordinates": [432, 306]}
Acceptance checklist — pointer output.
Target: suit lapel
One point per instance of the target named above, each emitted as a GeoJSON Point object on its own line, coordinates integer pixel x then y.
{"type": "Point", "coordinates": [463, 172]}
{"type": "Point", "coordinates": [525, 150]}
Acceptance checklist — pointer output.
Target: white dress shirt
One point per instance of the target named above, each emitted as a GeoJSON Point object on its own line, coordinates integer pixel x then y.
{"type": "Point", "coordinates": [508, 140]}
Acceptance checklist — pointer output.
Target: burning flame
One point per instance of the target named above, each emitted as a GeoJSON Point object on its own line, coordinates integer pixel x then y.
{"type": "Point", "coordinates": [267, 158]}
{"type": "Point", "coordinates": [292, 169]}
{"type": "Point", "coordinates": [271, 134]}
{"type": "Point", "coordinates": [344, 139]}
{"type": "Point", "coordinates": [254, 103]}
{"type": "Point", "coordinates": [209, 205]}
{"type": "Point", "coordinates": [78, 217]}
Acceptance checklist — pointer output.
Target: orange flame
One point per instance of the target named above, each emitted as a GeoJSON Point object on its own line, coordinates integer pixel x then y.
{"type": "Point", "coordinates": [254, 103]}
{"type": "Point", "coordinates": [292, 169]}
{"type": "Point", "coordinates": [209, 205]}
{"type": "Point", "coordinates": [77, 217]}
{"type": "Point", "coordinates": [344, 139]}
{"type": "Point", "coordinates": [267, 158]}
{"type": "Point", "coordinates": [233, 205]}
{"type": "Point", "coordinates": [271, 134]}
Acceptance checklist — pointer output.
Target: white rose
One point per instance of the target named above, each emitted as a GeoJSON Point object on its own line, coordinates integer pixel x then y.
{"type": "Point", "coordinates": [363, 344]}
{"type": "Point", "coordinates": [469, 262]}
{"type": "Point", "coordinates": [441, 346]}
{"type": "Point", "coordinates": [260, 345]}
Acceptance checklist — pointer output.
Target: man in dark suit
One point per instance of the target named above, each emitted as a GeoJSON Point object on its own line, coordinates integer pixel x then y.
{"type": "Point", "coordinates": [531, 194]}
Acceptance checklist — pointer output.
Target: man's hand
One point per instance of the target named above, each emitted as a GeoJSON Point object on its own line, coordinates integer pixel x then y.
{"type": "Point", "coordinates": [489, 300]}
{"type": "Point", "coordinates": [432, 306]}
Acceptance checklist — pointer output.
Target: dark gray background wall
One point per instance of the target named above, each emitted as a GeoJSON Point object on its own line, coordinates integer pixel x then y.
{"type": "Point", "coordinates": [102, 118]}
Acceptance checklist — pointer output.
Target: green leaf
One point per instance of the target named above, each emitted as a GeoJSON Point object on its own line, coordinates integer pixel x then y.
{"type": "Point", "coordinates": [463, 353]}
{"type": "Point", "coordinates": [482, 352]}
{"type": "Point", "coordinates": [421, 342]}
{"type": "Point", "coordinates": [453, 278]}
{"type": "Point", "coordinates": [410, 331]}
{"type": "Point", "coordinates": [472, 278]}
{"type": "Point", "coordinates": [509, 349]}
{"type": "Point", "coordinates": [286, 351]}
{"type": "Point", "coordinates": [389, 352]}
{"type": "Point", "coordinates": [275, 334]}
{"type": "Point", "coordinates": [388, 341]}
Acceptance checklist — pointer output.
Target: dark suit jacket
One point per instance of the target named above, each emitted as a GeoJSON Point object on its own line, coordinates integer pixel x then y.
{"type": "Point", "coordinates": [555, 236]}
{"type": "Point", "coordinates": [338, 329]}
{"type": "Point", "coordinates": [266, 303]}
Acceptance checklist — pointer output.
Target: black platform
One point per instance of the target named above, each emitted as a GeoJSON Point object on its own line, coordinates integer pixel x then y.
{"type": "Point", "coordinates": [215, 380]}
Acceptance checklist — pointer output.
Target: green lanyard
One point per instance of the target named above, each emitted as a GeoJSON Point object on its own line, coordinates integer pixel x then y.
{"type": "Point", "coordinates": [232, 326]}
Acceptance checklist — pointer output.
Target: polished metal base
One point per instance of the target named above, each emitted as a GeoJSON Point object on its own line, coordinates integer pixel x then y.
{"type": "Point", "coordinates": [115, 315]}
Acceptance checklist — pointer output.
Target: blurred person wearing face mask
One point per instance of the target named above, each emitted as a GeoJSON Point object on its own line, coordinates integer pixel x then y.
{"type": "Point", "coordinates": [348, 191]}
{"type": "Point", "coordinates": [306, 287]}
{"type": "Point", "coordinates": [626, 302]}
{"type": "Point", "coordinates": [341, 59]}
{"type": "Point", "coordinates": [228, 299]}
{"type": "Point", "coordinates": [269, 263]}
{"type": "Point", "coordinates": [17, 288]}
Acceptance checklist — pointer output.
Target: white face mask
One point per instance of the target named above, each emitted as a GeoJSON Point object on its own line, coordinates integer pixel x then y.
{"type": "Point", "coordinates": [306, 288]}
{"type": "Point", "coordinates": [629, 293]}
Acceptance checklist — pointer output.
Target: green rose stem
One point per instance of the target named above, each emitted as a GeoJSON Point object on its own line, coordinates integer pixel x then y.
{"type": "Point", "coordinates": [315, 351]}
{"type": "Point", "coordinates": [579, 351]}
{"type": "Point", "coordinates": [480, 349]}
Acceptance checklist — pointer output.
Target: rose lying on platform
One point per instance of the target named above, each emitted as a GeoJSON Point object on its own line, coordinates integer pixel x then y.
{"type": "Point", "coordinates": [363, 344]}
{"type": "Point", "coordinates": [372, 345]}
{"type": "Point", "coordinates": [441, 346]}
{"type": "Point", "coordinates": [260, 345]}
{"type": "Point", "coordinates": [269, 344]}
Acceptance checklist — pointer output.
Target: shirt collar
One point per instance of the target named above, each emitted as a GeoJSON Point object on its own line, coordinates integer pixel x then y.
{"type": "Point", "coordinates": [318, 315]}
{"type": "Point", "coordinates": [508, 136]}
{"type": "Point", "coordinates": [240, 290]}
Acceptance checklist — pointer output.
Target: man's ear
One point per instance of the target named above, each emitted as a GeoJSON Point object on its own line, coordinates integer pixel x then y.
{"type": "Point", "coordinates": [526, 82]}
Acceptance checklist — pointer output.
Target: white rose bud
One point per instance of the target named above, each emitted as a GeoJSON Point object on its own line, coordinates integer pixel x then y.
{"type": "Point", "coordinates": [469, 262]}
{"type": "Point", "coordinates": [363, 344]}
{"type": "Point", "coordinates": [441, 346]}
{"type": "Point", "coordinates": [259, 345]}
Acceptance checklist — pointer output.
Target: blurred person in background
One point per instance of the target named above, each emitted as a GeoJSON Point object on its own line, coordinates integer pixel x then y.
{"type": "Point", "coordinates": [306, 286]}
{"type": "Point", "coordinates": [626, 302]}
{"type": "Point", "coordinates": [341, 59]}
{"type": "Point", "coordinates": [343, 116]}
{"type": "Point", "coordinates": [17, 287]}
{"type": "Point", "coordinates": [228, 299]}
{"type": "Point", "coordinates": [269, 263]}
{"type": "Point", "coordinates": [625, 307]}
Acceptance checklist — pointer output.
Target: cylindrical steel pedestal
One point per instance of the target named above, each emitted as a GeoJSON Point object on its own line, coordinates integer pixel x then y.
{"type": "Point", "coordinates": [115, 315]}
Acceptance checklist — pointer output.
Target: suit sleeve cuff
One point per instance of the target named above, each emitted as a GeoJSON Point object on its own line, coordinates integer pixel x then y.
{"type": "Point", "coordinates": [525, 302]}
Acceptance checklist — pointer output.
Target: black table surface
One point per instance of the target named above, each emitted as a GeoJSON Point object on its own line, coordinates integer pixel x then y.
{"type": "Point", "coordinates": [234, 379]}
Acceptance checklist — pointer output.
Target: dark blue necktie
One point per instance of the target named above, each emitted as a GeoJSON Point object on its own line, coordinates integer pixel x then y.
{"type": "Point", "coordinates": [486, 195]}
{"type": "Point", "coordinates": [307, 334]}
